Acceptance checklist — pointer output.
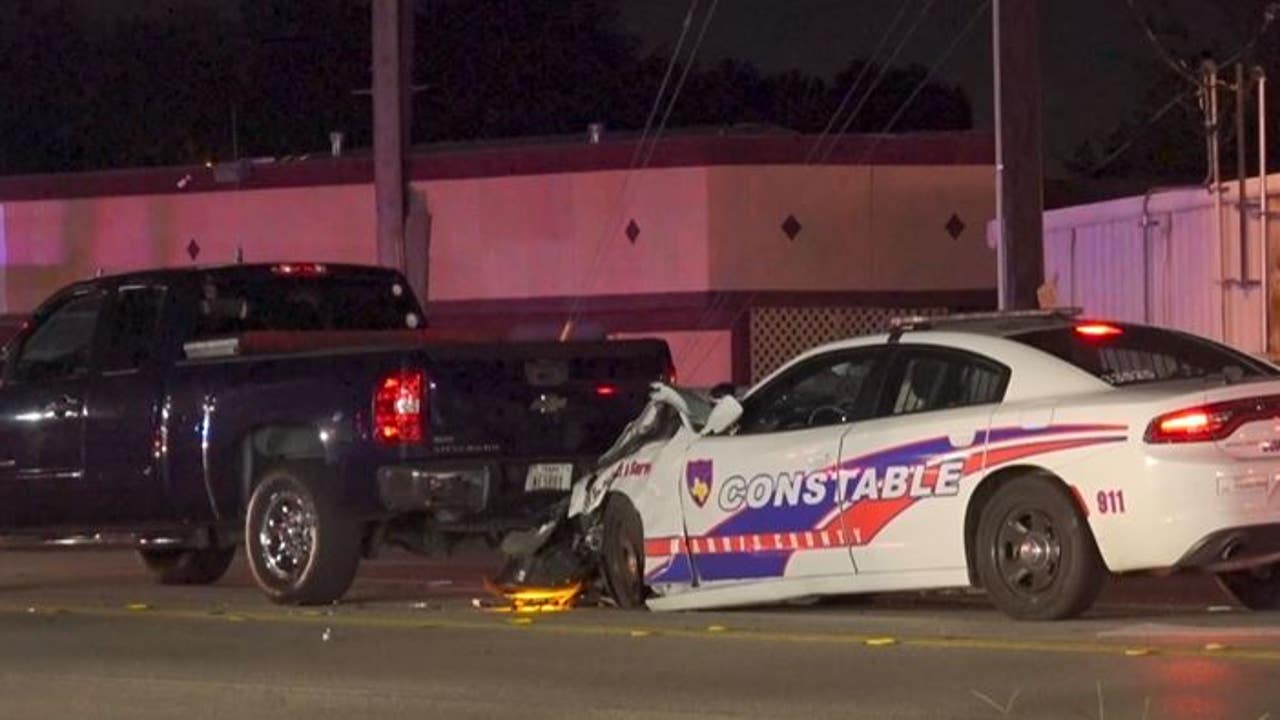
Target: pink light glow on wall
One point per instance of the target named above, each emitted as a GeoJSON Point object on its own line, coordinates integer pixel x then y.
{"type": "Point", "coordinates": [563, 234]}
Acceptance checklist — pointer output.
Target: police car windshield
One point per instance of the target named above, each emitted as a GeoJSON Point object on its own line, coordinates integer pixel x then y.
{"type": "Point", "coordinates": [1128, 355]}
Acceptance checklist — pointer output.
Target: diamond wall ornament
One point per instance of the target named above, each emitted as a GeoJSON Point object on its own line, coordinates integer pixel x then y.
{"type": "Point", "coordinates": [193, 249]}
{"type": "Point", "coordinates": [632, 231]}
{"type": "Point", "coordinates": [792, 227]}
{"type": "Point", "coordinates": [954, 226]}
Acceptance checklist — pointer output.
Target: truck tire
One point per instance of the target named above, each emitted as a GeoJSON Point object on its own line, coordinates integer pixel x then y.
{"type": "Point", "coordinates": [622, 553]}
{"type": "Point", "coordinates": [302, 548]}
{"type": "Point", "coordinates": [201, 566]}
{"type": "Point", "coordinates": [1034, 553]}
{"type": "Point", "coordinates": [1255, 588]}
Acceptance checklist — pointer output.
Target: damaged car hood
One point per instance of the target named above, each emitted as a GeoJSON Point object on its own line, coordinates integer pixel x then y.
{"type": "Point", "coordinates": [692, 409]}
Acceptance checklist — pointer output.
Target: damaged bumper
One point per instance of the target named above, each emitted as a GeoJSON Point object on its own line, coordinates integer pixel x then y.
{"type": "Point", "coordinates": [565, 551]}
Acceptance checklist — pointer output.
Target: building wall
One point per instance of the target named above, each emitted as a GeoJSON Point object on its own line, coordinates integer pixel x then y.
{"type": "Point", "coordinates": [1157, 259]}
{"type": "Point", "coordinates": [522, 238]}
{"type": "Point", "coordinates": [50, 243]}
{"type": "Point", "coordinates": [564, 234]}
{"type": "Point", "coordinates": [861, 227]}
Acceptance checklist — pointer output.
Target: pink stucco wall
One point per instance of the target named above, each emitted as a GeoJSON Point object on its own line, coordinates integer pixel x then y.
{"type": "Point", "coordinates": [530, 231]}
{"type": "Point", "coordinates": [563, 234]}
{"type": "Point", "coordinates": [865, 228]}
{"type": "Point", "coordinates": [559, 234]}
{"type": "Point", "coordinates": [49, 243]}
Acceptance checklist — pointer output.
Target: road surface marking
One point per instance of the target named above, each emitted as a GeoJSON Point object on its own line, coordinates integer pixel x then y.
{"type": "Point", "coordinates": [929, 642]}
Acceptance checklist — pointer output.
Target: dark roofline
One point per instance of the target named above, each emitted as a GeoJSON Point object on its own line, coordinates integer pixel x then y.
{"type": "Point", "coordinates": [229, 269]}
{"type": "Point", "coordinates": [440, 162]}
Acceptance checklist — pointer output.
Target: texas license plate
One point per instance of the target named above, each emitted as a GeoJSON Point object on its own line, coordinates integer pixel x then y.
{"type": "Point", "coordinates": [549, 476]}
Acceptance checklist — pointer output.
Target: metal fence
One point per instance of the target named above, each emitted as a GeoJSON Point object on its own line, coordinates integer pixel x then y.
{"type": "Point", "coordinates": [1161, 259]}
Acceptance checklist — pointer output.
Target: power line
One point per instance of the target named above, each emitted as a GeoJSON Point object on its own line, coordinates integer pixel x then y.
{"type": "Point", "coordinates": [946, 53]}
{"type": "Point", "coordinates": [857, 82]}
{"type": "Point", "coordinates": [884, 71]}
{"type": "Point", "coordinates": [1269, 15]}
{"type": "Point", "coordinates": [1178, 66]}
{"type": "Point", "coordinates": [884, 66]}
{"type": "Point", "coordinates": [671, 104]}
{"type": "Point", "coordinates": [1142, 130]}
{"type": "Point", "coordinates": [1200, 84]}
{"type": "Point", "coordinates": [924, 81]}
{"type": "Point", "coordinates": [619, 199]}
{"type": "Point", "coordinates": [666, 78]}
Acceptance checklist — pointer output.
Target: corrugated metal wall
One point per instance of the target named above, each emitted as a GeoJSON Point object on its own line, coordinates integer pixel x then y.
{"type": "Point", "coordinates": [1157, 259]}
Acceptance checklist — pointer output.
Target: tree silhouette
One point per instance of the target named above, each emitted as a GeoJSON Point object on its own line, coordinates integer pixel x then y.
{"type": "Point", "coordinates": [205, 80]}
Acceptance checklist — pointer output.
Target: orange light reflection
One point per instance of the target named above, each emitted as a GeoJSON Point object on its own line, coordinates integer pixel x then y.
{"type": "Point", "coordinates": [536, 599]}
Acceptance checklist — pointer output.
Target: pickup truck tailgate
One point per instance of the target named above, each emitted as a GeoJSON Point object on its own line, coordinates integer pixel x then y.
{"type": "Point", "coordinates": [539, 400]}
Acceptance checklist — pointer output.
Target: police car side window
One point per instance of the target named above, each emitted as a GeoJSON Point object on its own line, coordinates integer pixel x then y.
{"type": "Point", "coordinates": [824, 391]}
{"type": "Point", "coordinates": [937, 379]}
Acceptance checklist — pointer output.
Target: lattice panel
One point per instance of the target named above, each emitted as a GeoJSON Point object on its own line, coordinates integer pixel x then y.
{"type": "Point", "coordinates": [780, 333]}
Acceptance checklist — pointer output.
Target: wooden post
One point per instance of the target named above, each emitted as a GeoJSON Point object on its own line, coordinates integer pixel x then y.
{"type": "Point", "coordinates": [1019, 164]}
{"type": "Point", "coordinates": [392, 58]}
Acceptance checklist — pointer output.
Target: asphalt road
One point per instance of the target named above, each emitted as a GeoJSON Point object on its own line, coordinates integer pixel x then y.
{"type": "Point", "coordinates": [85, 635]}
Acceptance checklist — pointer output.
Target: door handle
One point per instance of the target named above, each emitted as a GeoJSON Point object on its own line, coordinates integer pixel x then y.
{"type": "Point", "coordinates": [63, 406]}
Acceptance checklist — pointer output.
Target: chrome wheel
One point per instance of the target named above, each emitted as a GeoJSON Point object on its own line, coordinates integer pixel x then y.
{"type": "Point", "coordinates": [288, 534]}
{"type": "Point", "coordinates": [1028, 551]}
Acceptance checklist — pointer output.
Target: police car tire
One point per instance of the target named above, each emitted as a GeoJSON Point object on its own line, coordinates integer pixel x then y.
{"type": "Point", "coordinates": [334, 556]}
{"type": "Point", "coordinates": [1253, 588]}
{"type": "Point", "coordinates": [622, 553]}
{"type": "Point", "coordinates": [1073, 582]}
{"type": "Point", "coordinates": [202, 566]}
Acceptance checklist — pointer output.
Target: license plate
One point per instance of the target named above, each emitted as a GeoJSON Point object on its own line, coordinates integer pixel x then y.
{"type": "Point", "coordinates": [549, 476]}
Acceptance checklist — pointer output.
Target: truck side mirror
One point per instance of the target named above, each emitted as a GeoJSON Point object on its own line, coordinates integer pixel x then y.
{"type": "Point", "coordinates": [726, 412]}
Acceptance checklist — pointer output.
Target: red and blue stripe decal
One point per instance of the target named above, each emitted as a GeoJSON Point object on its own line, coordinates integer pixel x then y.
{"type": "Point", "coordinates": [759, 543]}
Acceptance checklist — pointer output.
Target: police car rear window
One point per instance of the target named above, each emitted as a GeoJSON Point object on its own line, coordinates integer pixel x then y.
{"type": "Point", "coordinates": [1131, 355]}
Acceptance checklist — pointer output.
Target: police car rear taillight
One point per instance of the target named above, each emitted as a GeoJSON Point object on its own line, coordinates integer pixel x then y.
{"type": "Point", "coordinates": [1194, 425]}
{"type": "Point", "coordinates": [1208, 423]}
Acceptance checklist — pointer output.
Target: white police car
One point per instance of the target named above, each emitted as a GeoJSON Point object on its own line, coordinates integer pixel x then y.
{"type": "Point", "coordinates": [1028, 454]}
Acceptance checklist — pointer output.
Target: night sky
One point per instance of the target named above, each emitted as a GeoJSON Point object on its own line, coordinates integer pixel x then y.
{"type": "Point", "coordinates": [1095, 56]}
{"type": "Point", "coordinates": [1097, 62]}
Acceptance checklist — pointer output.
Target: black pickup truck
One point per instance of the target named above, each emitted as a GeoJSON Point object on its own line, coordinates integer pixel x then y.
{"type": "Point", "coordinates": [301, 409]}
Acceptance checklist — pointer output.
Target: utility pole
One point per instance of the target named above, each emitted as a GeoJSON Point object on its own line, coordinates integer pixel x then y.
{"type": "Point", "coordinates": [1019, 163]}
{"type": "Point", "coordinates": [392, 72]}
{"type": "Point", "coordinates": [1242, 146]}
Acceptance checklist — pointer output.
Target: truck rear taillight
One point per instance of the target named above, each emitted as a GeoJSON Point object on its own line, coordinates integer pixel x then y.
{"type": "Point", "coordinates": [399, 406]}
{"type": "Point", "coordinates": [1212, 422]}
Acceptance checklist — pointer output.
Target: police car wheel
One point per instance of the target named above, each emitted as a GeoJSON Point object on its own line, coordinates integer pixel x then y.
{"type": "Point", "coordinates": [622, 554]}
{"type": "Point", "coordinates": [1256, 588]}
{"type": "Point", "coordinates": [1034, 552]}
